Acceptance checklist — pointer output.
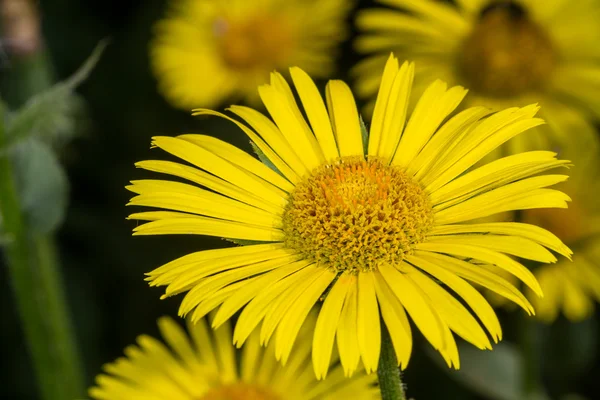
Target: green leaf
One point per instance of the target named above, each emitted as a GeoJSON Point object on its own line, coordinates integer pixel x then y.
{"type": "Point", "coordinates": [364, 134]}
{"type": "Point", "coordinates": [42, 185]}
{"type": "Point", "coordinates": [261, 156]}
{"type": "Point", "coordinates": [495, 374]}
{"type": "Point", "coordinates": [243, 242]}
{"type": "Point", "coordinates": [52, 115]}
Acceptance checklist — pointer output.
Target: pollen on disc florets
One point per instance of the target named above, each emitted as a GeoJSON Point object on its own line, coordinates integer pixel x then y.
{"type": "Point", "coordinates": [355, 214]}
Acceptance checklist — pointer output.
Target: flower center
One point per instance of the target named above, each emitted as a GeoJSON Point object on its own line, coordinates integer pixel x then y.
{"type": "Point", "coordinates": [239, 391]}
{"type": "Point", "coordinates": [262, 42]}
{"type": "Point", "coordinates": [354, 215]}
{"type": "Point", "coordinates": [506, 54]}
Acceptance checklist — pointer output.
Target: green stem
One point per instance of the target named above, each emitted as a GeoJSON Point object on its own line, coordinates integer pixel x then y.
{"type": "Point", "coordinates": [39, 295]}
{"type": "Point", "coordinates": [529, 350]}
{"type": "Point", "coordinates": [390, 381]}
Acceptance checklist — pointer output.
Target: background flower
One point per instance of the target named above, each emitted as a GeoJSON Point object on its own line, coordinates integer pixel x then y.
{"type": "Point", "coordinates": [208, 51]}
{"type": "Point", "coordinates": [572, 288]}
{"type": "Point", "coordinates": [204, 365]}
{"type": "Point", "coordinates": [508, 53]}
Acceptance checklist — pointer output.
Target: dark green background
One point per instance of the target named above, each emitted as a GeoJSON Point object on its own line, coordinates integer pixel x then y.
{"type": "Point", "coordinates": [103, 265]}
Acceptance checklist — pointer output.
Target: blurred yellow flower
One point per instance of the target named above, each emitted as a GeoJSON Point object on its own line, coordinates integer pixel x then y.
{"type": "Point", "coordinates": [204, 365]}
{"type": "Point", "coordinates": [508, 53]}
{"type": "Point", "coordinates": [379, 223]}
{"type": "Point", "coordinates": [208, 51]}
{"type": "Point", "coordinates": [572, 287]}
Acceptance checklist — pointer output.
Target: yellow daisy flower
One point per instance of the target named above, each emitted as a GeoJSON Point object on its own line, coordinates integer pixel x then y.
{"type": "Point", "coordinates": [572, 287]}
{"type": "Point", "coordinates": [506, 52]}
{"type": "Point", "coordinates": [207, 51]}
{"type": "Point", "coordinates": [375, 226]}
{"type": "Point", "coordinates": [205, 366]}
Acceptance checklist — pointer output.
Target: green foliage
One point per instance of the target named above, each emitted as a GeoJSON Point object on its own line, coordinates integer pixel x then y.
{"type": "Point", "coordinates": [364, 134]}
{"type": "Point", "coordinates": [263, 158]}
{"type": "Point", "coordinates": [44, 121]}
{"type": "Point", "coordinates": [495, 374]}
{"type": "Point", "coordinates": [242, 242]}
{"type": "Point", "coordinates": [41, 183]}
{"type": "Point", "coordinates": [52, 114]}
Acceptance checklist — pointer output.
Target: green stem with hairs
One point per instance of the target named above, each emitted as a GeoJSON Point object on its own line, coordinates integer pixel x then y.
{"type": "Point", "coordinates": [390, 380]}
{"type": "Point", "coordinates": [39, 296]}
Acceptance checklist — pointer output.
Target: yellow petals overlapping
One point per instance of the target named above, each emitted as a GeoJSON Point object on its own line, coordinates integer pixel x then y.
{"type": "Point", "coordinates": [204, 365]}
{"type": "Point", "coordinates": [412, 183]}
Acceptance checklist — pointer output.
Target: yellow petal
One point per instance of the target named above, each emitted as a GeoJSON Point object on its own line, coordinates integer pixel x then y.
{"type": "Point", "coordinates": [316, 113]}
{"type": "Point", "coordinates": [367, 319]}
{"type": "Point", "coordinates": [344, 115]}
{"type": "Point", "coordinates": [327, 324]}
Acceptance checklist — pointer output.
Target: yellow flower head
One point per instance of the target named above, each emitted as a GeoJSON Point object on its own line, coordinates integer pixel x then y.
{"type": "Point", "coordinates": [206, 51]}
{"type": "Point", "coordinates": [376, 225]}
{"type": "Point", "coordinates": [206, 366]}
{"type": "Point", "coordinates": [507, 52]}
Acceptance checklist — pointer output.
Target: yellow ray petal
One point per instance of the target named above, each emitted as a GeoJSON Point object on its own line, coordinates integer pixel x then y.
{"type": "Point", "coordinates": [433, 107]}
{"type": "Point", "coordinates": [445, 138]}
{"type": "Point", "coordinates": [367, 320]}
{"type": "Point", "coordinates": [225, 355]}
{"type": "Point", "coordinates": [251, 290]}
{"type": "Point", "coordinates": [271, 154]}
{"type": "Point", "coordinates": [273, 137]}
{"type": "Point", "coordinates": [516, 246]}
{"type": "Point", "coordinates": [190, 199]}
{"type": "Point", "coordinates": [210, 181]}
{"type": "Point", "coordinates": [488, 256]}
{"type": "Point", "coordinates": [201, 289]}
{"type": "Point", "coordinates": [201, 338]}
{"type": "Point", "coordinates": [472, 297]}
{"type": "Point", "coordinates": [344, 115]}
{"type": "Point", "coordinates": [497, 173]}
{"type": "Point", "coordinates": [327, 324]}
{"type": "Point", "coordinates": [480, 276]}
{"type": "Point", "coordinates": [396, 111]}
{"type": "Point", "coordinates": [316, 113]}
{"type": "Point", "coordinates": [395, 320]}
{"type": "Point", "coordinates": [346, 334]}
{"type": "Point", "coordinates": [281, 85]}
{"type": "Point", "coordinates": [521, 195]}
{"type": "Point", "coordinates": [451, 311]}
{"type": "Point", "coordinates": [210, 162]}
{"type": "Point", "coordinates": [240, 158]}
{"type": "Point", "coordinates": [260, 305]}
{"type": "Point", "coordinates": [290, 324]}
{"type": "Point", "coordinates": [531, 232]}
{"type": "Point", "coordinates": [251, 359]}
{"type": "Point", "coordinates": [290, 127]}
{"type": "Point", "coordinates": [197, 225]}
{"type": "Point", "coordinates": [178, 340]}
{"type": "Point", "coordinates": [417, 306]}
{"type": "Point", "coordinates": [480, 141]}
{"type": "Point", "coordinates": [217, 298]}
{"type": "Point", "coordinates": [381, 104]}
{"type": "Point", "coordinates": [282, 305]}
